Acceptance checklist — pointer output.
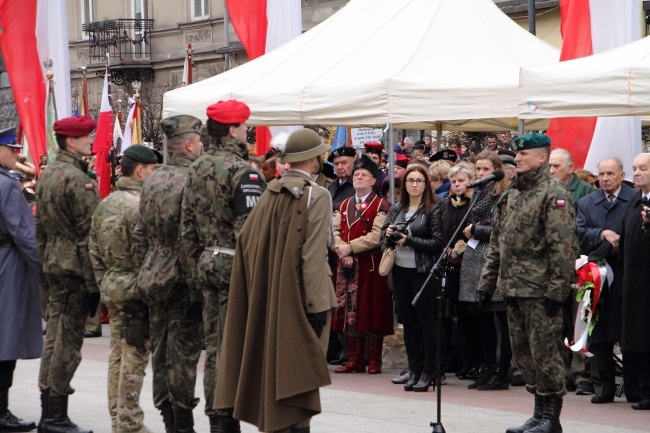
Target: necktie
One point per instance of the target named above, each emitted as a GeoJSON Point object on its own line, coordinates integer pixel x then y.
{"type": "Point", "coordinates": [611, 198]}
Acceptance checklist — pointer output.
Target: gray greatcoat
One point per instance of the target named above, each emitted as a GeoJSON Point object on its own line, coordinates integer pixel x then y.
{"type": "Point", "coordinates": [21, 334]}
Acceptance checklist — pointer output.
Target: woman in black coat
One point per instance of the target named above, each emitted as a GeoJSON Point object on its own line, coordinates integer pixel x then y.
{"type": "Point", "coordinates": [414, 227]}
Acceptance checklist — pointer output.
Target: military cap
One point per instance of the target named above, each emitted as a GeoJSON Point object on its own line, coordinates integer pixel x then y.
{"type": "Point", "coordinates": [142, 154]}
{"type": "Point", "coordinates": [374, 147]}
{"type": "Point", "coordinates": [507, 156]}
{"type": "Point", "coordinates": [302, 145]}
{"type": "Point", "coordinates": [533, 140]}
{"type": "Point", "coordinates": [342, 151]}
{"type": "Point", "coordinates": [229, 112]}
{"type": "Point", "coordinates": [17, 175]}
{"type": "Point", "coordinates": [8, 138]}
{"type": "Point", "coordinates": [401, 160]}
{"type": "Point", "coordinates": [179, 125]}
{"type": "Point", "coordinates": [446, 154]}
{"type": "Point", "coordinates": [364, 161]}
{"type": "Point", "coordinates": [75, 127]}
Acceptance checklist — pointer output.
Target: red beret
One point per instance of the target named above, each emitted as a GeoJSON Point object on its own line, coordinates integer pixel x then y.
{"type": "Point", "coordinates": [75, 126]}
{"type": "Point", "coordinates": [375, 145]}
{"type": "Point", "coordinates": [402, 160]}
{"type": "Point", "coordinates": [231, 111]}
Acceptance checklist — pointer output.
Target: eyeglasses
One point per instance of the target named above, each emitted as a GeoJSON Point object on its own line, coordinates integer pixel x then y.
{"type": "Point", "coordinates": [361, 175]}
{"type": "Point", "coordinates": [415, 181]}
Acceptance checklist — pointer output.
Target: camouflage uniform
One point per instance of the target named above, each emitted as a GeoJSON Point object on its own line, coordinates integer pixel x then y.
{"type": "Point", "coordinates": [532, 254]}
{"type": "Point", "coordinates": [175, 339]}
{"type": "Point", "coordinates": [112, 254]}
{"type": "Point", "coordinates": [221, 190]}
{"type": "Point", "coordinates": [66, 199]}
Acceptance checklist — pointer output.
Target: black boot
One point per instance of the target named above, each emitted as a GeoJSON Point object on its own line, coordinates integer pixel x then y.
{"type": "Point", "coordinates": [412, 380]}
{"type": "Point", "coordinates": [167, 415]}
{"type": "Point", "coordinates": [183, 420]}
{"type": "Point", "coordinates": [45, 395]}
{"type": "Point", "coordinates": [9, 422]}
{"type": "Point", "coordinates": [551, 418]}
{"type": "Point", "coordinates": [228, 424]}
{"type": "Point", "coordinates": [498, 380]}
{"type": "Point", "coordinates": [424, 383]}
{"type": "Point", "coordinates": [57, 420]}
{"type": "Point", "coordinates": [214, 423]}
{"type": "Point", "coordinates": [485, 371]}
{"type": "Point", "coordinates": [538, 412]}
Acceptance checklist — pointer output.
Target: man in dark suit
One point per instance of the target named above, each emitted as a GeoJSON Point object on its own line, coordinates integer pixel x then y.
{"type": "Point", "coordinates": [343, 161]}
{"type": "Point", "coordinates": [600, 219]}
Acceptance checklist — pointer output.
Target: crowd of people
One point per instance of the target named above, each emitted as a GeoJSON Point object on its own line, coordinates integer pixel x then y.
{"type": "Point", "coordinates": [273, 260]}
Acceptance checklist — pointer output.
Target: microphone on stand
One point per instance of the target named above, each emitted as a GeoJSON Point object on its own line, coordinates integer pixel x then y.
{"type": "Point", "coordinates": [496, 176]}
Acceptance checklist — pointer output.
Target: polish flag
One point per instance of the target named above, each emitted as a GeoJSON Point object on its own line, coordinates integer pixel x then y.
{"type": "Point", "coordinates": [262, 26]}
{"type": "Point", "coordinates": [103, 141]}
{"type": "Point", "coordinates": [590, 27]}
{"type": "Point", "coordinates": [31, 31]}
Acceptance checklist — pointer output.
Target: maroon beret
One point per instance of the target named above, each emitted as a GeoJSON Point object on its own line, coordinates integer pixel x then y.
{"type": "Point", "coordinates": [75, 126]}
{"type": "Point", "coordinates": [231, 111]}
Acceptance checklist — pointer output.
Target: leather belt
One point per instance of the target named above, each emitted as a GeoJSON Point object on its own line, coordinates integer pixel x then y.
{"type": "Point", "coordinates": [221, 250]}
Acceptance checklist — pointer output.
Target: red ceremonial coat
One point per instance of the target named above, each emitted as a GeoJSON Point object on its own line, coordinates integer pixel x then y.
{"type": "Point", "coordinates": [365, 297]}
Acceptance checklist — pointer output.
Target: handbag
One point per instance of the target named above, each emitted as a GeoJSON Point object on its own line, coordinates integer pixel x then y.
{"type": "Point", "coordinates": [387, 261]}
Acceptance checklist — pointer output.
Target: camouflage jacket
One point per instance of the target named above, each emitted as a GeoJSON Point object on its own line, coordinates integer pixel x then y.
{"type": "Point", "coordinates": [221, 190]}
{"type": "Point", "coordinates": [534, 242]}
{"type": "Point", "coordinates": [163, 276]}
{"type": "Point", "coordinates": [65, 200]}
{"type": "Point", "coordinates": [111, 242]}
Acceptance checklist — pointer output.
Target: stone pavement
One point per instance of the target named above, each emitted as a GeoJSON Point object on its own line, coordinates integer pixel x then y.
{"type": "Point", "coordinates": [353, 403]}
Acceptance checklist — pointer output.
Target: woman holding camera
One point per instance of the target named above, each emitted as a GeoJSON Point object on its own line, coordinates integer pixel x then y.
{"type": "Point", "coordinates": [414, 227]}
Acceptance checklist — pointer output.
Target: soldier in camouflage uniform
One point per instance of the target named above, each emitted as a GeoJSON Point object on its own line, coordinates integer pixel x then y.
{"type": "Point", "coordinates": [531, 262]}
{"type": "Point", "coordinates": [65, 199]}
{"type": "Point", "coordinates": [221, 191]}
{"type": "Point", "coordinates": [175, 323]}
{"type": "Point", "coordinates": [112, 254]}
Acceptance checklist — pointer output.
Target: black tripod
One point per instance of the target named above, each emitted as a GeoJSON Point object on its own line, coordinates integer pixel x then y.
{"type": "Point", "coordinates": [437, 272]}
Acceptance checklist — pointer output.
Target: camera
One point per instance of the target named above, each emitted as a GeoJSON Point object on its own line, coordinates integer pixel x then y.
{"type": "Point", "coordinates": [397, 229]}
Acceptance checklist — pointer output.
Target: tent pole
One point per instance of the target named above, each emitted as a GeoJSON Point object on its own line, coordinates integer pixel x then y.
{"type": "Point", "coordinates": [520, 127]}
{"type": "Point", "coordinates": [531, 17]}
{"type": "Point", "coordinates": [390, 151]}
{"type": "Point", "coordinates": [438, 134]}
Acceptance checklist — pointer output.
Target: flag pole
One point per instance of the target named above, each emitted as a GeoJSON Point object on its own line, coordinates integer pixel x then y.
{"type": "Point", "coordinates": [84, 89]}
{"type": "Point", "coordinates": [189, 63]}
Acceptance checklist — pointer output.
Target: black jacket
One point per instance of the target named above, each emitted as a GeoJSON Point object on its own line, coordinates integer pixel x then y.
{"type": "Point", "coordinates": [425, 236]}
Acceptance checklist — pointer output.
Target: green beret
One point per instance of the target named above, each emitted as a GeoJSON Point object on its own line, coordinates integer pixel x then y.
{"type": "Point", "coordinates": [178, 125]}
{"type": "Point", "coordinates": [533, 140]}
{"type": "Point", "coordinates": [142, 154]}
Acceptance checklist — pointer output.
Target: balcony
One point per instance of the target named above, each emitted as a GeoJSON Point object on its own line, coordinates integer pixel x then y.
{"type": "Point", "coordinates": [126, 40]}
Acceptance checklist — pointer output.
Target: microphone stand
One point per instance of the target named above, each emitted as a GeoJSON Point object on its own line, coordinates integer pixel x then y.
{"type": "Point", "coordinates": [437, 272]}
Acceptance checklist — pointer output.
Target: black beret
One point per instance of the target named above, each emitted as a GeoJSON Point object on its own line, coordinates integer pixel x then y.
{"type": "Point", "coordinates": [342, 151]}
{"type": "Point", "coordinates": [364, 161]}
{"type": "Point", "coordinates": [446, 154]}
{"type": "Point", "coordinates": [142, 154]}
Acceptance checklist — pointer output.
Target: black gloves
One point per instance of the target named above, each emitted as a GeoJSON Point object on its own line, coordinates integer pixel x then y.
{"type": "Point", "coordinates": [317, 321]}
{"type": "Point", "coordinates": [91, 304]}
{"type": "Point", "coordinates": [484, 300]}
{"type": "Point", "coordinates": [552, 306]}
{"type": "Point", "coordinates": [195, 311]}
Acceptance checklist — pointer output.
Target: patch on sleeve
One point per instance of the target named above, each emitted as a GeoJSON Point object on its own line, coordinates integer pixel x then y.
{"type": "Point", "coordinates": [89, 186]}
{"type": "Point", "coordinates": [560, 203]}
{"type": "Point", "coordinates": [247, 192]}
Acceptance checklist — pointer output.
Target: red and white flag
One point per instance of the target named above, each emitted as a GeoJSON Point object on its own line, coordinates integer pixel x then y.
{"type": "Point", "coordinates": [262, 26]}
{"type": "Point", "coordinates": [590, 27]}
{"type": "Point", "coordinates": [103, 141]}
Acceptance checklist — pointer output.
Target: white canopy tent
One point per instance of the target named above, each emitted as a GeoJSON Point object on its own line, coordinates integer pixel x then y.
{"type": "Point", "coordinates": [612, 83]}
{"type": "Point", "coordinates": [411, 63]}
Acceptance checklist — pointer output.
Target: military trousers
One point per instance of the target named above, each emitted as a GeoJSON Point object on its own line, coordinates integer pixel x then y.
{"type": "Point", "coordinates": [176, 345]}
{"type": "Point", "coordinates": [64, 336]}
{"type": "Point", "coordinates": [534, 338]}
{"type": "Point", "coordinates": [126, 371]}
{"type": "Point", "coordinates": [215, 304]}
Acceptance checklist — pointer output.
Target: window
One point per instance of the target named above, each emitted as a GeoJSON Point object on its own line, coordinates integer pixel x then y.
{"type": "Point", "coordinates": [87, 15]}
{"type": "Point", "coordinates": [200, 9]}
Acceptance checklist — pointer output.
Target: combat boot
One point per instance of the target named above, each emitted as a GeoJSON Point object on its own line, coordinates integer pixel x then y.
{"type": "Point", "coordinates": [167, 415]}
{"type": "Point", "coordinates": [533, 422]}
{"type": "Point", "coordinates": [57, 420]}
{"type": "Point", "coordinates": [214, 423]}
{"type": "Point", "coordinates": [183, 420]}
{"type": "Point", "coordinates": [228, 424]}
{"type": "Point", "coordinates": [551, 418]}
{"type": "Point", "coordinates": [45, 395]}
{"type": "Point", "coordinates": [8, 421]}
